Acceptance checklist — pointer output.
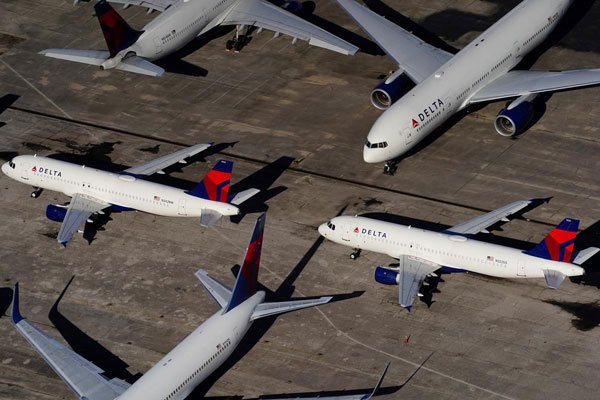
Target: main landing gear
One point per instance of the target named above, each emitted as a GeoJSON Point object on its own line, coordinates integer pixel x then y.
{"type": "Point", "coordinates": [240, 39]}
{"type": "Point", "coordinates": [355, 254]}
{"type": "Point", "coordinates": [390, 167]}
{"type": "Point", "coordinates": [36, 192]}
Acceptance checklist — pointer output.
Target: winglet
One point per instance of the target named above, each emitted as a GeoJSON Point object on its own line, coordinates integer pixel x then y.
{"type": "Point", "coordinates": [378, 386]}
{"type": "Point", "coordinates": [16, 315]}
{"type": "Point", "coordinates": [246, 284]}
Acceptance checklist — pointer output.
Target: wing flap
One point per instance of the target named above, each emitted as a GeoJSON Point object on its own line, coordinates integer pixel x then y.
{"type": "Point", "coordinates": [160, 163]}
{"type": "Point", "coordinates": [412, 273]}
{"type": "Point", "coordinates": [518, 83]}
{"type": "Point", "coordinates": [158, 5]}
{"type": "Point", "coordinates": [79, 374]}
{"type": "Point", "coordinates": [417, 58]}
{"type": "Point", "coordinates": [79, 210]}
{"type": "Point", "coordinates": [268, 16]}
{"type": "Point", "coordinates": [219, 292]}
{"type": "Point", "coordinates": [268, 309]}
{"type": "Point", "coordinates": [482, 222]}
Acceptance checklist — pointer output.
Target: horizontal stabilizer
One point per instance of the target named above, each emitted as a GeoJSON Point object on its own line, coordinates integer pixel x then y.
{"type": "Point", "coordinates": [585, 255]}
{"type": "Point", "coordinates": [219, 292]}
{"type": "Point", "coordinates": [241, 197]}
{"type": "Point", "coordinates": [553, 278]}
{"type": "Point", "coordinates": [141, 66]}
{"type": "Point", "coordinates": [209, 217]}
{"type": "Point", "coordinates": [268, 309]}
{"type": "Point", "coordinates": [91, 57]}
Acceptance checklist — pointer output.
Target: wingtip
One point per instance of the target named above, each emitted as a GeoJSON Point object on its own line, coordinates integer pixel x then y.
{"type": "Point", "coordinates": [16, 314]}
{"type": "Point", "coordinates": [407, 308]}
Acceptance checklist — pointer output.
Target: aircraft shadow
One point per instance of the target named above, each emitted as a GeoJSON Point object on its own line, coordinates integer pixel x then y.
{"type": "Point", "coordinates": [7, 101]}
{"type": "Point", "coordinates": [5, 300]}
{"type": "Point", "coordinates": [8, 155]}
{"type": "Point", "coordinates": [589, 237]}
{"type": "Point", "coordinates": [87, 347]}
{"type": "Point", "coordinates": [262, 180]}
{"type": "Point", "coordinates": [586, 315]}
{"type": "Point", "coordinates": [260, 327]}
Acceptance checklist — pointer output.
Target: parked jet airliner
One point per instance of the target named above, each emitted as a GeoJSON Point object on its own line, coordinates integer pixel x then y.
{"type": "Point", "coordinates": [421, 252]}
{"type": "Point", "coordinates": [182, 21]}
{"type": "Point", "coordinates": [92, 190]}
{"type": "Point", "coordinates": [177, 374]}
{"type": "Point", "coordinates": [446, 83]}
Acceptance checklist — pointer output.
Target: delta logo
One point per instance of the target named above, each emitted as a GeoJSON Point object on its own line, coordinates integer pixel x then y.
{"type": "Point", "coordinates": [428, 112]}
{"type": "Point", "coordinates": [356, 230]}
{"type": "Point", "coordinates": [46, 171]}
{"type": "Point", "coordinates": [370, 232]}
{"type": "Point", "coordinates": [414, 123]}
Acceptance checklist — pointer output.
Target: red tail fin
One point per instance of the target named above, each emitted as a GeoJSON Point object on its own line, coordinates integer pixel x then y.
{"type": "Point", "coordinates": [559, 243]}
{"type": "Point", "coordinates": [117, 33]}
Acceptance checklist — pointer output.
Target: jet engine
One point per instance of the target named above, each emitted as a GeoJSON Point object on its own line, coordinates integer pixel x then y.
{"type": "Point", "coordinates": [386, 276]}
{"type": "Point", "coordinates": [391, 89]}
{"type": "Point", "coordinates": [293, 6]}
{"type": "Point", "coordinates": [56, 212]}
{"type": "Point", "coordinates": [515, 118]}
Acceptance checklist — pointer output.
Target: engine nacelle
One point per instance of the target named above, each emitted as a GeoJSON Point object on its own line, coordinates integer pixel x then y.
{"type": "Point", "coordinates": [56, 212]}
{"type": "Point", "coordinates": [391, 90]}
{"type": "Point", "coordinates": [515, 118]}
{"type": "Point", "coordinates": [386, 276]}
{"type": "Point", "coordinates": [293, 6]}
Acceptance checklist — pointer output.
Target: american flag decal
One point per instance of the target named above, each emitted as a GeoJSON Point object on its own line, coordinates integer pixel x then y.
{"type": "Point", "coordinates": [156, 198]}
{"type": "Point", "coordinates": [490, 258]}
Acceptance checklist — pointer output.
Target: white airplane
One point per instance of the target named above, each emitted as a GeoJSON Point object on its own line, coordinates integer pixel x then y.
{"type": "Point", "coordinates": [422, 252]}
{"type": "Point", "coordinates": [177, 374]}
{"type": "Point", "coordinates": [182, 21]}
{"type": "Point", "coordinates": [92, 190]}
{"type": "Point", "coordinates": [445, 84]}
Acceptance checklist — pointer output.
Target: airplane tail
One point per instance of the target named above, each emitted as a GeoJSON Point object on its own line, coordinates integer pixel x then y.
{"type": "Point", "coordinates": [215, 185]}
{"type": "Point", "coordinates": [117, 33]}
{"type": "Point", "coordinates": [559, 243]}
{"type": "Point", "coordinates": [246, 284]}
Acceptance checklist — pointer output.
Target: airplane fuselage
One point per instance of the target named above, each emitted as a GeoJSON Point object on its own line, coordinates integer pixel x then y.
{"type": "Point", "coordinates": [125, 191]}
{"type": "Point", "coordinates": [449, 250]}
{"type": "Point", "coordinates": [177, 374]}
{"type": "Point", "coordinates": [448, 90]}
{"type": "Point", "coordinates": [176, 26]}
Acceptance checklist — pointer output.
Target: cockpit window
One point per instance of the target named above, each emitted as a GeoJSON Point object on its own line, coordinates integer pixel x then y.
{"type": "Point", "coordinates": [380, 145]}
{"type": "Point", "coordinates": [11, 164]}
{"type": "Point", "coordinates": [331, 226]}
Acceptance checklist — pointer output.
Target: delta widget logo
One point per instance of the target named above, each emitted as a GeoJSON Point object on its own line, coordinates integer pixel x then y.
{"type": "Point", "coordinates": [356, 230]}
{"type": "Point", "coordinates": [34, 169]}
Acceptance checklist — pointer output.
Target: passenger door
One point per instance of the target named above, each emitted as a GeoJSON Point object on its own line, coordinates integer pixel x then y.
{"type": "Point", "coordinates": [181, 209]}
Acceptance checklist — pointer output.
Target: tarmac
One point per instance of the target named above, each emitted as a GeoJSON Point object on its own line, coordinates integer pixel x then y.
{"type": "Point", "coordinates": [294, 119]}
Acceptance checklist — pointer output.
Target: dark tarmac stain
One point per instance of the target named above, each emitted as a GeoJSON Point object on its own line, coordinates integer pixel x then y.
{"type": "Point", "coordinates": [35, 146]}
{"type": "Point", "coordinates": [587, 315]}
{"type": "Point", "coordinates": [372, 202]}
{"type": "Point", "coordinates": [152, 149]}
{"type": "Point", "coordinates": [92, 149]}
{"type": "Point", "coordinates": [8, 41]}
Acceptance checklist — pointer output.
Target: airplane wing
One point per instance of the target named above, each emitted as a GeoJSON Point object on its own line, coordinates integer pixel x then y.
{"type": "Point", "coordinates": [412, 272]}
{"type": "Point", "coordinates": [482, 222]}
{"type": "Point", "coordinates": [158, 5]}
{"type": "Point", "coordinates": [268, 309]}
{"type": "Point", "coordinates": [82, 377]}
{"type": "Point", "coordinates": [265, 15]}
{"type": "Point", "coordinates": [219, 292]}
{"type": "Point", "coordinates": [160, 163]}
{"type": "Point", "coordinates": [518, 83]}
{"type": "Point", "coordinates": [365, 396]}
{"type": "Point", "coordinates": [417, 58]}
{"type": "Point", "coordinates": [79, 210]}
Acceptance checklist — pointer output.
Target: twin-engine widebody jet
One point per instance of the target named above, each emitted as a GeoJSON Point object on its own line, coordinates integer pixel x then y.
{"type": "Point", "coordinates": [177, 374]}
{"type": "Point", "coordinates": [93, 190]}
{"type": "Point", "coordinates": [445, 83]}
{"type": "Point", "coordinates": [182, 21]}
{"type": "Point", "coordinates": [422, 252]}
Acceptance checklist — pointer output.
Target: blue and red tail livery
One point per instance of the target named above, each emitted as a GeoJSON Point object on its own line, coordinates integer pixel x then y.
{"type": "Point", "coordinates": [215, 185]}
{"type": "Point", "coordinates": [559, 244]}
{"type": "Point", "coordinates": [246, 283]}
{"type": "Point", "coordinates": [117, 33]}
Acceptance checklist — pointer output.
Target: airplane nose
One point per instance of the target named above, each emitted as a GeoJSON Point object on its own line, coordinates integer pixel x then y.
{"type": "Point", "coordinates": [5, 168]}
{"type": "Point", "coordinates": [322, 230]}
{"type": "Point", "coordinates": [373, 156]}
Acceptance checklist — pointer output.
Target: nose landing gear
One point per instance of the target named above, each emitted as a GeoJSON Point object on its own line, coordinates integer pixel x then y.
{"type": "Point", "coordinates": [355, 254]}
{"type": "Point", "coordinates": [390, 167]}
{"type": "Point", "coordinates": [36, 192]}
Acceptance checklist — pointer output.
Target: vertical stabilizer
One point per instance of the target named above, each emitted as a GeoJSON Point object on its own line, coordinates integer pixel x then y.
{"type": "Point", "coordinates": [559, 244]}
{"type": "Point", "coordinates": [215, 185]}
{"type": "Point", "coordinates": [117, 33]}
{"type": "Point", "coordinates": [246, 283]}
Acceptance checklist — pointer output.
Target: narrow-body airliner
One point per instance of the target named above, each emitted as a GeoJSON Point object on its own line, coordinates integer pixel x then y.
{"type": "Point", "coordinates": [93, 190]}
{"type": "Point", "coordinates": [423, 252]}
